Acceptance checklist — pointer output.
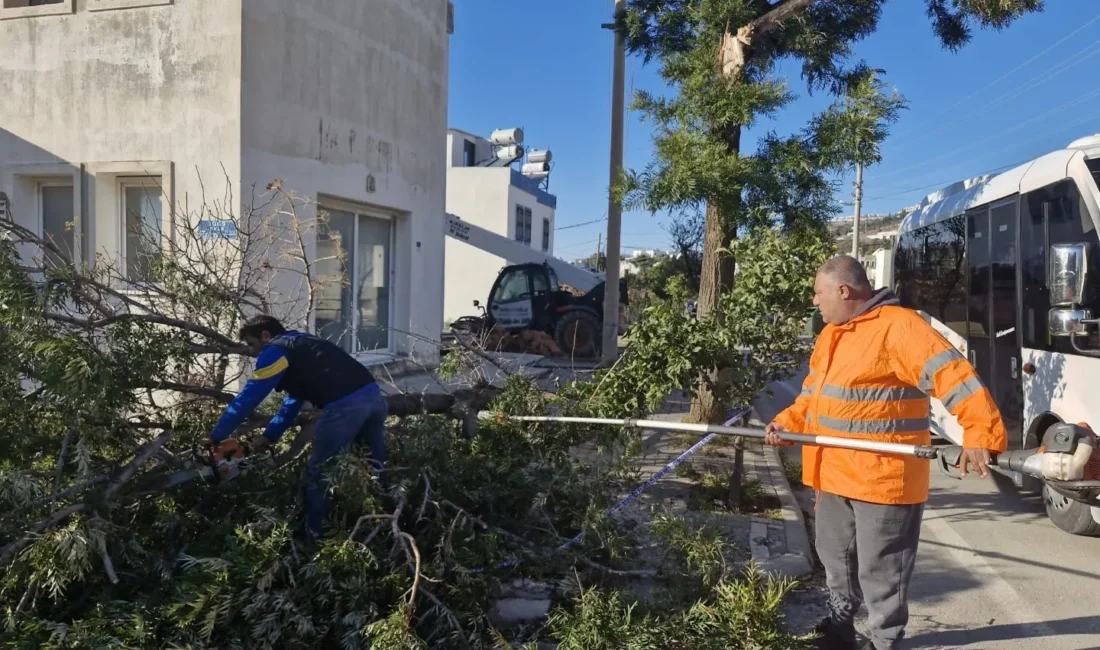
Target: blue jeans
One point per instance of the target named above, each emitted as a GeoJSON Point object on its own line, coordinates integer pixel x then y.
{"type": "Point", "coordinates": [357, 418]}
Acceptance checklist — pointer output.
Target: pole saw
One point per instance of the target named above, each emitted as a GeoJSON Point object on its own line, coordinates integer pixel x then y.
{"type": "Point", "coordinates": [1068, 460]}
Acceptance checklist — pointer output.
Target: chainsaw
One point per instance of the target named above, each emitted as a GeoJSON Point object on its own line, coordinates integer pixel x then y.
{"type": "Point", "coordinates": [216, 464]}
{"type": "Point", "coordinates": [1068, 461]}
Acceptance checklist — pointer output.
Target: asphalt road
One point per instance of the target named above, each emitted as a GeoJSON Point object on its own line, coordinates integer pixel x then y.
{"type": "Point", "coordinates": [993, 573]}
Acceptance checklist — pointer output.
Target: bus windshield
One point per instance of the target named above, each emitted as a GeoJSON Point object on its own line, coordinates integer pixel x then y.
{"type": "Point", "coordinates": [1094, 167]}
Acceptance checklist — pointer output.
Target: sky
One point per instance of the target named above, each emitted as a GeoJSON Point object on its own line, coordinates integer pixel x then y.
{"type": "Point", "coordinates": [1006, 97]}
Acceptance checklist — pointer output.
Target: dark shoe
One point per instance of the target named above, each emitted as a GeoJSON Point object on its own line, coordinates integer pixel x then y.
{"type": "Point", "coordinates": [835, 635]}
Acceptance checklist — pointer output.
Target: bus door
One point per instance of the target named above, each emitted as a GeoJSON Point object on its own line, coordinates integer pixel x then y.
{"type": "Point", "coordinates": [994, 338]}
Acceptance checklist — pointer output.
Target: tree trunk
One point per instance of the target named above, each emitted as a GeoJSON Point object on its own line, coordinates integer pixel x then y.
{"type": "Point", "coordinates": [715, 279]}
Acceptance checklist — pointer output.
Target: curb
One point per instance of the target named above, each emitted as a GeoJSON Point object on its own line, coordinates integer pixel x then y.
{"type": "Point", "coordinates": [797, 561]}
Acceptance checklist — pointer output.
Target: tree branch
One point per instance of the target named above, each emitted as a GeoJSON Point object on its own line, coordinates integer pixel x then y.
{"type": "Point", "coordinates": [142, 458]}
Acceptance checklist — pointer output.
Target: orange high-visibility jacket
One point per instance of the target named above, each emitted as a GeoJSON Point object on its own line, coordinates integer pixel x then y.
{"type": "Point", "coordinates": [871, 379]}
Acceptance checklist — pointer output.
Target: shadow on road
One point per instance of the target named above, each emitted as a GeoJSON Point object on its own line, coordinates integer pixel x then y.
{"type": "Point", "coordinates": [948, 636]}
{"type": "Point", "coordinates": [932, 583]}
{"type": "Point", "coordinates": [955, 506]}
{"type": "Point", "coordinates": [993, 555]}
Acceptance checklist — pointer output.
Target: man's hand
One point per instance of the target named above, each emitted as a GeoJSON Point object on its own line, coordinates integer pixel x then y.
{"type": "Point", "coordinates": [978, 458]}
{"type": "Point", "coordinates": [772, 438]}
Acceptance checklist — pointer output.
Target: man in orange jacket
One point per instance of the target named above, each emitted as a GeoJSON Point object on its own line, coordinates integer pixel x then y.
{"type": "Point", "coordinates": [873, 368]}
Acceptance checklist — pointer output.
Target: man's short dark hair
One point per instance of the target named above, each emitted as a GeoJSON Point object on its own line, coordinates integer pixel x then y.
{"type": "Point", "coordinates": [255, 327]}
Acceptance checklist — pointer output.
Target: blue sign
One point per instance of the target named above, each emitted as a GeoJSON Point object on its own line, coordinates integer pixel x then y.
{"type": "Point", "coordinates": [218, 229]}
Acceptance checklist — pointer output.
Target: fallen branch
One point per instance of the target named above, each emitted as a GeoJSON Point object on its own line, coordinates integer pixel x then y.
{"type": "Point", "coordinates": [141, 459]}
{"type": "Point", "coordinates": [9, 551]}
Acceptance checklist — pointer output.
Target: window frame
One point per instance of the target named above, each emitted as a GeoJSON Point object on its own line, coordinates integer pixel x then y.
{"type": "Point", "coordinates": [357, 211]}
{"type": "Point", "coordinates": [123, 183]}
{"type": "Point", "coordinates": [111, 5]}
{"type": "Point", "coordinates": [546, 234]}
{"type": "Point", "coordinates": [524, 224]}
{"type": "Point", "coordinates": [54, 9]}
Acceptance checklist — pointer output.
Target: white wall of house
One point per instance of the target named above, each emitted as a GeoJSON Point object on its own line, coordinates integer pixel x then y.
{"type": "Point", "coordinates": [347, 103]}
{"type": "Point", "coordinates": [97, 93]}
{"type": "Point", "coordinates": [486, 197]}
{"type": "Point", "coordinates": [480, 196]}
{"type": "Point", "coordinates": [344, 101]}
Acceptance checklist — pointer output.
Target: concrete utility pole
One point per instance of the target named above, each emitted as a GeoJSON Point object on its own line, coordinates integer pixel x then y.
{"type": "Point", "coordinates": [859, 200]}
{"type": "Point", "coordinates": [614, 206]}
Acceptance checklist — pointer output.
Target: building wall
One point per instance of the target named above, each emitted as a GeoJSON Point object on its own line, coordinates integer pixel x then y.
{"type": "Point", "coordinates": [98, 89]}
{"type": "Point", "coordinates": [482, 197]}
{"type": "Point", "coordinates": [539, 211]}
{"type": "Point", "coordinates": [348, 101]}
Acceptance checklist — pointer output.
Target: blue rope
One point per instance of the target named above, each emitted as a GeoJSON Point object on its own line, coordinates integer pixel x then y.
{"type": "Point", "coordinates": [732, 416]}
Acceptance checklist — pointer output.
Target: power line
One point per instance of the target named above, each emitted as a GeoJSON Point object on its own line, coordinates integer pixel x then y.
{"type": "Point", "coordinates": [943, 183]}
{"type": "Point", "coordinates": [1011, 72]}
{"type": "Point", "coordinates": [1065, 127]}
{"type": "Point", "coordinates": [1057, 109]}
{"type": "Point", "coordinates": [984, 108]}
{"type": "Point", "coordinates": [584, 223]}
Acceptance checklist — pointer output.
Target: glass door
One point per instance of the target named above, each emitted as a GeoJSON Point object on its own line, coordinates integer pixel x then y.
{"type": "Point", "coordinates": [354, 272]}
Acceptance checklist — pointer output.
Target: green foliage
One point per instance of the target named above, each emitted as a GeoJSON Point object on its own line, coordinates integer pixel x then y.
{"type": "Point", "coordinates": [755, 332]}
{"type": "Point", "coordinates": [852, 130]}
{"type": "Point", "coordinates": [734, 616]}
{"type": "Point", "coordinates": [103, 392]}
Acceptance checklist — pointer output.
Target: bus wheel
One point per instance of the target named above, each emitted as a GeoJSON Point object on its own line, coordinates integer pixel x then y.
{"type": "Point", "coordinates": [1073, 517]}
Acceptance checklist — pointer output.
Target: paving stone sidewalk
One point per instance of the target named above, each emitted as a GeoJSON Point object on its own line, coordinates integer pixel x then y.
{"type": "Point", "coordinates": [775, 540]}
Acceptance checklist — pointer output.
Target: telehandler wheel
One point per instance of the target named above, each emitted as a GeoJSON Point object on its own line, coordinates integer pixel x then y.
{"type": "Point", "coordinates": [578, 334]}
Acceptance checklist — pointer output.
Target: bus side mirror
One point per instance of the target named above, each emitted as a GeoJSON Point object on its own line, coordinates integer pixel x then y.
{"type": "Point", "coordinates": [1069, 322]}
{"type": "Point", "coordinates": [1066, 276]}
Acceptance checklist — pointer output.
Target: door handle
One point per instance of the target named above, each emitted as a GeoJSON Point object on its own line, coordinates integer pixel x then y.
{"type": "Point", "coordinates": [1015, 373]}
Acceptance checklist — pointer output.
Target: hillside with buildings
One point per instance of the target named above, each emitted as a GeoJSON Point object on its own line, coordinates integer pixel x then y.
{"type": "Point", "coordinates": [875, 231]}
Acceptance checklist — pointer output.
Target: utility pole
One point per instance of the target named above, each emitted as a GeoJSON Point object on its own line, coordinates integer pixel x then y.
{"type": "Point", "coordinates": [614, 206]}
{"type": "Point", "coordinates": [599, 247]}
{"type": "Point", "coordinates": [859, 200]}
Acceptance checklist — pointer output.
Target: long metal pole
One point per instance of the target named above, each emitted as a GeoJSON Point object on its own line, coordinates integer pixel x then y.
{"type": "Point", "coordinates": [920, 451]}
{"type": "Point", "coordinates": [859, 201]}
{"type": "Point", "coordinates": [614, 205]}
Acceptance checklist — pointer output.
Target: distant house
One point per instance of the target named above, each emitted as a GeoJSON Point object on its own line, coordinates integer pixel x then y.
{"type": "Point", "coordinates": [490, 185]}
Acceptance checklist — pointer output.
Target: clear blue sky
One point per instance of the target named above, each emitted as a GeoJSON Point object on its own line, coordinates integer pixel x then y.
{"type": "Point", "coordinates": [1004, 98]}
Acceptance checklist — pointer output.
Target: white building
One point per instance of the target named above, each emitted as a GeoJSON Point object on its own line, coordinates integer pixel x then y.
{"type": "Point", "coordinates": [485, 188]}
{"type": "Point", "coordinates": [880, 268]}
{"type": "Point", "coordinates": [141, 110]}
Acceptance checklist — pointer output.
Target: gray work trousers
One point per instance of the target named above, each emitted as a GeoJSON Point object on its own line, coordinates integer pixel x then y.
{"type": "Point", "coordinates": [868, 551]}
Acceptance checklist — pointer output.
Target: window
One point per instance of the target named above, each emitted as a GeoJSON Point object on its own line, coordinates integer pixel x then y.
{"type": "Point", "coordinates": [55, 201]}
{"type": "Point", "coordinates": [523, 224]}
{"type": "Point", "coordinates": [16, 4]}
{"type": "Point", "coordinates": [1055, 214]}
{"type": "Point", "coordinates": [31, 8]}
{"type": "Point", "coordinates": [545, 235]}
{"type": "Point", "coordinates": [469, 153]}
{"type": "Point", "coordinates": [353, 261]}
{"type": "Point", "coordinates": [142, 219]}
{"type": "Point", "coordinates": [931, 271]}
{"type": "Point", "coordinates": [540, 283]}
{"type": "Point", "coordinates": [514, 287]}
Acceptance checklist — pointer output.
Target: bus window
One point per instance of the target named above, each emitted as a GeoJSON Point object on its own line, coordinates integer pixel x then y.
{"type": "Point", "coordinates": [930, 267]}
{"type": "Point", "coordinates": [1058, 210]}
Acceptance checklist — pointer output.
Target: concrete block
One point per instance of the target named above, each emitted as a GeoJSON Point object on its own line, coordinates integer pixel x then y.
{"type": "Point", "coordinates": [790, 565]}
{"type": "Point", "coordinates": [521, 600]}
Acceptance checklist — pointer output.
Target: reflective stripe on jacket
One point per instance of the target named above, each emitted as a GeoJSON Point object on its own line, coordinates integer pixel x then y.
{"type": "Point", "coordinates": [871, 378]}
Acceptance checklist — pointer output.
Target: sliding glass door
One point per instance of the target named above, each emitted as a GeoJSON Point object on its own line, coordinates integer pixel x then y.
{"type": "Point", "coordinates": [353, 265]}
